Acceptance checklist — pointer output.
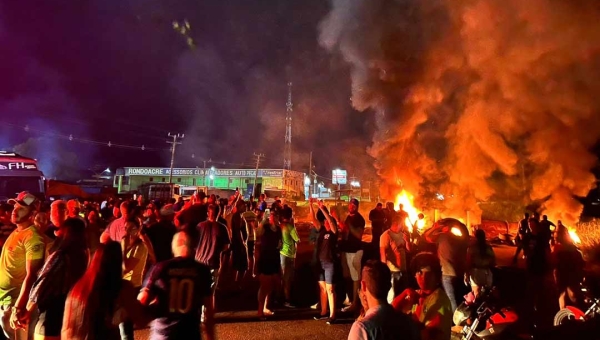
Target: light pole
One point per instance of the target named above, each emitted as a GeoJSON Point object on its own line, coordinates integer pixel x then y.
{"type": "Point", "coordinates": [174, 145]}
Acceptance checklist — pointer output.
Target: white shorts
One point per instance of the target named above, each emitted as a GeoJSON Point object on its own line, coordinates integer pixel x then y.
{"type": "Point", "coordinates": [354, 264]}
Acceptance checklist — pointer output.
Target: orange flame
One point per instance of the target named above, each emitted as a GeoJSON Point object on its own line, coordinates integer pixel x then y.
{"type": "Point", "coordinates": [407, 201]}
{"type": "Point", "coordinates": [574, 236]}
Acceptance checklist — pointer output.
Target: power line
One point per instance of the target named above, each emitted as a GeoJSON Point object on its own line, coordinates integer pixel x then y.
{"type": "Point", "coordinates": [73, 138]}
{"type": "Point", "coordinates": [90, 122]}
{"type": "Point", "coordinates": [143, 147]}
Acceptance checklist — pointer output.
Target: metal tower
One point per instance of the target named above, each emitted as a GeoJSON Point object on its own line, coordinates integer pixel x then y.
{"type": "Point", "coordinates": [287, 151]}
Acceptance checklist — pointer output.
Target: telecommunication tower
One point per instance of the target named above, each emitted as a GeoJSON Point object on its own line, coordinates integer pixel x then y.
{"type": "Point", "coordinates": [287, 152]}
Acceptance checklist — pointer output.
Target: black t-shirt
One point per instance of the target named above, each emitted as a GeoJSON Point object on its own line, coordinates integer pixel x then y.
{"type": "Point", "coordinates": [180, 286]}
{"type": "Point", "coordinates": [212, 238]}
{"type": "Point", "coordinates": [191, 217]}
{"type": "Point", "coordinates": [160, 235]}
{"type": "Point", "coordinates": [377, 218]}
{"type": "Point", "coordinates": [326, 245]}
{"type": "Point", "coordinates": [352, 244]}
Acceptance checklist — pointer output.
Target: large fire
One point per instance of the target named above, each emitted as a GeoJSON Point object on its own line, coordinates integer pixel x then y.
{"type": "Point", "coordinates": [407, 201]}
{"type": "Point", "coordinates": [574, 236]}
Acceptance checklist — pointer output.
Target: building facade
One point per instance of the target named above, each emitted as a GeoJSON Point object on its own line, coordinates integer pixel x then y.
{"type": "Point", "coordinates": [128, 180]}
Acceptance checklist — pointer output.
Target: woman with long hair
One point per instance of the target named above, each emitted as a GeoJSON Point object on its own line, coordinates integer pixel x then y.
{"type": "Point", "coordinates": [60, 272]}
{"type": "Point", "coordinates": [326, 256]}
{"type": "Point", "coordinates": [268, 265]}
{"type": "Point", "coordinates": [480, 261]}
{"type": "Point", "coordinates": [101, 299]}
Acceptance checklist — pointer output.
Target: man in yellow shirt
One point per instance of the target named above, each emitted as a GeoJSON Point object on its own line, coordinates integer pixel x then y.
{"type": "Point", "coordinates": [135, 254]}
{"type": "Point", "coordinates": [22, 256]}
{"type": "Point", "coordinates": [429, 305]}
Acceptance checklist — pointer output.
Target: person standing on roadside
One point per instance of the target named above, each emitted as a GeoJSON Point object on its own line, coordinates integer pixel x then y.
{"type": "Point", "coordinates": [352, 228]}
{"type": "Point", "coordinates": [58, 275]}
{"type": "Point", "coordinates": [213, 240]}
{"type": "Point", "coordinates": [268, 262]}
{"type": "Point", "coordinates": [523, 236]}
{"type": "Point", "coordinates": [21, 259]}
{"type": "Point", "coordinates": [161, 233]}
{"type": "Point", "coordinates": [326, 255]}
{"type": "Point", "coordinates": [394, 245]}
{"type": "Point", "coordinates": [135, 254]}
{"type": "Point", "coordinates": [288, 253]}
{"type": "Point", "coordinates": [251, 220]}
{"type": "Point", "coordinates": [377, 218]}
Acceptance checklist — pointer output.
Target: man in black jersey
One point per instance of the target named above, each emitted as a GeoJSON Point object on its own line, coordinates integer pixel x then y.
{"type": "Point", "coordinates": [178, 288]}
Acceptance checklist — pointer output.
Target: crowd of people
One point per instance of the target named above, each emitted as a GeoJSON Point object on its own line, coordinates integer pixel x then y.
{"type": "Point", "coordinates": [95, 271]}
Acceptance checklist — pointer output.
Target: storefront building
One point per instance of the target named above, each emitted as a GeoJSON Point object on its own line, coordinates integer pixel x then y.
{"type": "Point", "coordinates": [128, 180]}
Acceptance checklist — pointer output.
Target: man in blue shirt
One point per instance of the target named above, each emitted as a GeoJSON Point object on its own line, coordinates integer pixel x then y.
{"type": "Point", "coordinates": [381, 321]}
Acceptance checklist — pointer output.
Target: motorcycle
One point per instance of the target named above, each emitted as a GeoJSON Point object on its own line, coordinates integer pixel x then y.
{"type": "Point", "coordinates": [574, 314]}
{"type": "Point", "coordinates": [482, 317]}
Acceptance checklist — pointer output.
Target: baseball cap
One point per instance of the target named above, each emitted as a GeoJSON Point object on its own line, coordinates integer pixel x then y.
{"type": "Point", "coordinates": [167, 210]}
{"type": "Point", "coordinates": [24, 199]}
{"type": "Point", "coordinates": [354, 201]}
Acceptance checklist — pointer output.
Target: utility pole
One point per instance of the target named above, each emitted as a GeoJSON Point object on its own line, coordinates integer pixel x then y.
{"type": "Point", "coordinates": [287, 151]}
{"type": "Point", "coordinates": [315, 184]}
{"type": "Point", "coordinates": [309, 173]}
{"type": "Point", "coordinates": [173, 146]}
{"type": "Point", "coordinates": [204, 171]}
{"type": "Point", "coordinates": [258, 157]}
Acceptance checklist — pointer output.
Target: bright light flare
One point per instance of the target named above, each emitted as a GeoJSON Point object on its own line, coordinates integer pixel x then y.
{"type": "Point", "coordinates": [574, 236]}
{"type": "Point", "coordinates": [455, 231]}
{"type": "Point", "coordinates": [407, 201]}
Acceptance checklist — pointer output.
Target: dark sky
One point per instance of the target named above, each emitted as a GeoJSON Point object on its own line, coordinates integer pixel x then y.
{"type": "Point", "coordinates": [106, 70]}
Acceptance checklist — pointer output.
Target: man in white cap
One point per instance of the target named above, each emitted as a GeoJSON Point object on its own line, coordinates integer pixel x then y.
{"type": "Point", "coordinates": [22, 256]}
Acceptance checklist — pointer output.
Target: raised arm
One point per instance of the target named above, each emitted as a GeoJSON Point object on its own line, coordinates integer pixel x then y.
{"type": "Point", "coordinates": [328, 217]}
{"type": "Point", "coordinates": [313, 215]}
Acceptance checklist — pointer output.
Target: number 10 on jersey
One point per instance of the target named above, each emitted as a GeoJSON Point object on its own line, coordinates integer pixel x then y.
{"type": "Point", "coordinates": [180, 295]}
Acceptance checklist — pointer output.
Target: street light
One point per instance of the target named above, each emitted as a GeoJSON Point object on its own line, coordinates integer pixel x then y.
{"type": "Point", "coordinates": [355, 183]}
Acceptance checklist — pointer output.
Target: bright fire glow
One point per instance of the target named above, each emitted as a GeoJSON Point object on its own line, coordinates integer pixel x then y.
{"type": "Point", "coordinates": [407, 201]}
{"type": "Point", "coordinates": [574, 236]}
{"type": "Point", "coordinates": [456, 232]}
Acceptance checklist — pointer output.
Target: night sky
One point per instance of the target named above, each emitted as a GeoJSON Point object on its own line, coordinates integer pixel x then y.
{"type": "Point", "coordinates": [117, 71]}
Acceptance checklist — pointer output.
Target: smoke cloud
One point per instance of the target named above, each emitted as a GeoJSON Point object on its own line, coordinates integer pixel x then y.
{"type": "Point", "coordinates": [476, 100]}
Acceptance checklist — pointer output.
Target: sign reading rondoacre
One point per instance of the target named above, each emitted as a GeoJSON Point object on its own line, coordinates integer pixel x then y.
{"type": "Point", "coordinates": [202, 172]}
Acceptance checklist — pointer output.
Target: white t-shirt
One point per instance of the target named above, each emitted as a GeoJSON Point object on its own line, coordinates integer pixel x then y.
{"type": "Point", "coordinates": [394, 245]}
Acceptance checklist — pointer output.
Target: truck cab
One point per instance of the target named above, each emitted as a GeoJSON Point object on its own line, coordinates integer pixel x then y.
{"type": "Point", "coordinates": [185, 192]}
{"type": "Point", "coordinates": [18, 173]}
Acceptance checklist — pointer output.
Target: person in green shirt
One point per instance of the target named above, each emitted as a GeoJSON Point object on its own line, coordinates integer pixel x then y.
{"type": "Point", "coordinates": [22, 257]}
{"type": "Point", "coordinates": [288, 253]}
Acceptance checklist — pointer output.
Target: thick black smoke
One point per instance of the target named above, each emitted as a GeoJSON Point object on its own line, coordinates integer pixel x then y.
{"type": "Point", "coordinates": [477, 99]}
